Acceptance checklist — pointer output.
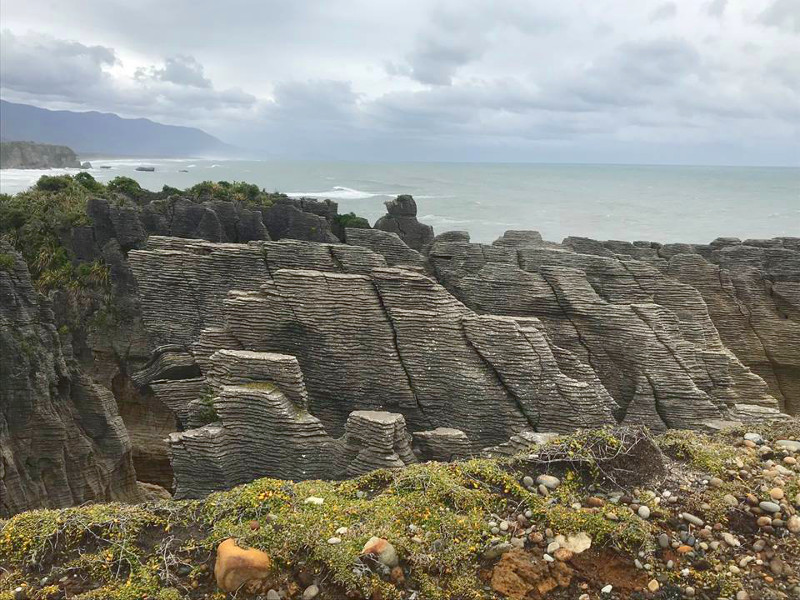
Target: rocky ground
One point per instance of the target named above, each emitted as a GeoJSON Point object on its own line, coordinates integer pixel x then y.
{"type": "Point", "coordinates": [608, 513]}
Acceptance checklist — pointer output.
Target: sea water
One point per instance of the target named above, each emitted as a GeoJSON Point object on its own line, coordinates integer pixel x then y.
{"type": "Point", "coordinates": [693, 204]}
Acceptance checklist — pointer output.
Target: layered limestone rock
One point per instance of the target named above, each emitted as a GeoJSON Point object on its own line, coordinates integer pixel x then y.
{"type": "Point", "coordinates": [264, 429]}
{"type": "Point", "coordinates": [387, 244]}
{"type": "Point", "coordinates": [297, 343]}
{"type": "Point", "coordinates": [751, 290]}
{"type": "Point", "coordinates": [648, 337]}
{"type": "Point", "coordinates": [62, 441]}
{"type": "Point", "coordinates": [401, 219]}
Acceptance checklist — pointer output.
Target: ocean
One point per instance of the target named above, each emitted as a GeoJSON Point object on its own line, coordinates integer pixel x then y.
{"type": "Point", "coordinates": [692, 204]}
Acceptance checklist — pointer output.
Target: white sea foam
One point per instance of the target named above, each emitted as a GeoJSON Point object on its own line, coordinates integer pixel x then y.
{"type": "Point", "coordinates": [341, 193]}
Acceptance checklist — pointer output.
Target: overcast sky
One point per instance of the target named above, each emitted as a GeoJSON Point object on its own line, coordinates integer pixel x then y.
{"type": "Point", "coordinates": [683, 81]}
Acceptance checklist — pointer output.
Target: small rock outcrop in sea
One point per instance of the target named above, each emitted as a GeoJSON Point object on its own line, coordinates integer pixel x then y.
{"type": "Point", "coordinates": [401, 218]}
{"type": "Point", "coordinates": [29, 155]}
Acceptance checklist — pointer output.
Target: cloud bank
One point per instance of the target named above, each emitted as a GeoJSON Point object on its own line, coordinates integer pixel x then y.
{"type": "Point", "coordinates": [610, 81]}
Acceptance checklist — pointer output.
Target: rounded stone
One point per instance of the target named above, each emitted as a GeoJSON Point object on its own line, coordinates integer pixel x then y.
{"type": "Point", "coordinates": [548, 481]}
{"type": "Point", "coordinates": [643, 512]}
{"type": "Point", "coordinates": [770, 507]}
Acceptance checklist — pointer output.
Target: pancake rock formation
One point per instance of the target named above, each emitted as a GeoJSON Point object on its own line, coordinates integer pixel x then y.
{"type": "Point", "coordinates": [334, 359]}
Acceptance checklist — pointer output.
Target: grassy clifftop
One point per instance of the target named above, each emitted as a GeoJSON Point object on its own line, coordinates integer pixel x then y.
{"type": "Point", "coordinates": [482, 528]}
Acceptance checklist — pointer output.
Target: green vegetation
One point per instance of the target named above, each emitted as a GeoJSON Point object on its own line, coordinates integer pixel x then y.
{"type": "Point", "coordinates": [247, 194]}
{"type": "Point", "coordinates": [351, 220]}
{"type": "Point", "coordinates": [6, 261]}
{"type": "Point", "coordinates": [207, 413]}
{"type": "Point", "coordinates": [36, 221]}
{"type": "Point", "coordinates": [435, 514]}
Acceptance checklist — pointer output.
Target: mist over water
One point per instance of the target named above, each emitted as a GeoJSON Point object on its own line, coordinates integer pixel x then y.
{"type": "Point", "coordinates": [656, 203]}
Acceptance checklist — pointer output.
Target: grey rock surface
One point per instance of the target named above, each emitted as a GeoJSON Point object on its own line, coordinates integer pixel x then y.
{"type": "Point", "coordinates": [62, 441]}
{"type": "Point", "coordinates": [401, 219]}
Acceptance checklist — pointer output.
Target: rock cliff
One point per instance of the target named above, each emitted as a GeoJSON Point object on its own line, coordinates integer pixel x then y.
{"type": "Point", "coordinates": [240, 339]}
{"type": "Point", "coordinates": [28, 155]}
{"type": "Point", "coordinates": [520, 336]}
{"type": "Point", "coordinates": [62, 441]}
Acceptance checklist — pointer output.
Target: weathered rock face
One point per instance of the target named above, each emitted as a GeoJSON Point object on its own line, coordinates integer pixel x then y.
{"type": "Point", "coordinates": [235, 356]}
{"type": "Point", "coordinates": [300, 219]}
{"type": "Point", "coordinates": [62, 441]}
{"type": "Point", "coordinates": [752, 293]}
{"type": "Point", "coordinates": [28, 155]}
{"type": "Point", "coordinates": [264, 426]}
{"type": "Point", "coordinates": [578, 347]}
{"type": "Point", "coordinates": [401, 218]}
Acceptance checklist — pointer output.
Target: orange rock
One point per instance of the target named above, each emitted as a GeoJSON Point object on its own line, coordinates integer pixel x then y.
{"type": "Point", "coordinates": [382, 550]}
{"type": "Point", "coordinates": [236, 566]}
{"type": "Point", "coordinates": [684, 549]}
{"type": "Point", "coordinates": [519, 575]}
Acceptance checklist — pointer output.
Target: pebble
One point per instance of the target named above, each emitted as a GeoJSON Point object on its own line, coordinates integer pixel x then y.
{"type": "Point", "coordinates": [273, 595]}
{"type": "Point", "coordinates": [563, 554]}
{"type": "Point", "coordinates": [663, 540]}
{"type": "Point", "coordinates": [548, 481]}
{"type": "Point", "coordinates": [335, 540]}
{"type": "Point", "coordinates": [643, 512]}
{"type": "Point", "coordinates": [742, 595]}
{"type": "Point", "coordinates": [791, 445]}
{"type": "Point", "coordinates": [552, 547]}
{"type": "Point", "coordinates": [653, 585]}
{"type": "Point", "coordinates": [793, 524]}
{"type": "Point", "coordinates": [730, 500]}
{"type": "Point", "coordinates": [770, 507]}
{"type": "Point", "coordinates": [776, 493]}
{"type": "Point", "coordinates": [314, 500]}
{"type": "Point", "coordinates": [527, 481]}
{"type": "Point", "coordinates": [607, 589]}
{"type": "Point", "coordinates": [311, 591]}
{"type": "Point", "coordinates": [548, 558]}
{"type": "Point", "coordinates": [716, 482]}
{"type": "Point", "coordinates": [595, 502]}
{"type": "Point", "coordinates": [753, 437]}
{"type": "Point", "coordinates": [690, 518]}
{"type": "Point", "coordinates": [689, 591]}
{"type": "Point", "coordinates": [731, 540]}
{"type": "Point", "coordinates": [503, 525]}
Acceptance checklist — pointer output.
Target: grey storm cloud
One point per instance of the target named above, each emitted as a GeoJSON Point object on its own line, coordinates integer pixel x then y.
{"type": "Point", "coordinates": [667, 10]}
{"type": "Point", "coordinates": [716, 8]}
{"type": "Point", "coordinates": [41, 64]}
{"type": "Point", "coordinates": [784, 14]}
{"type": "Point", "coordinates": [477, 79]}
{"type": "Point", "coordinates": [182, 70]}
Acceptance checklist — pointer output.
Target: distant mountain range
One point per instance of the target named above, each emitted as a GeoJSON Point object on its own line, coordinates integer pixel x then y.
{"type": "Point", "coordinates": [106, 133]}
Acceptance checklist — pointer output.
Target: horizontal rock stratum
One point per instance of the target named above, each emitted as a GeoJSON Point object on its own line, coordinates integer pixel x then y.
{"type": "Point", "coordinates": [296, 340]}
{"type": "Point", "coordinates": [271, 348]}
